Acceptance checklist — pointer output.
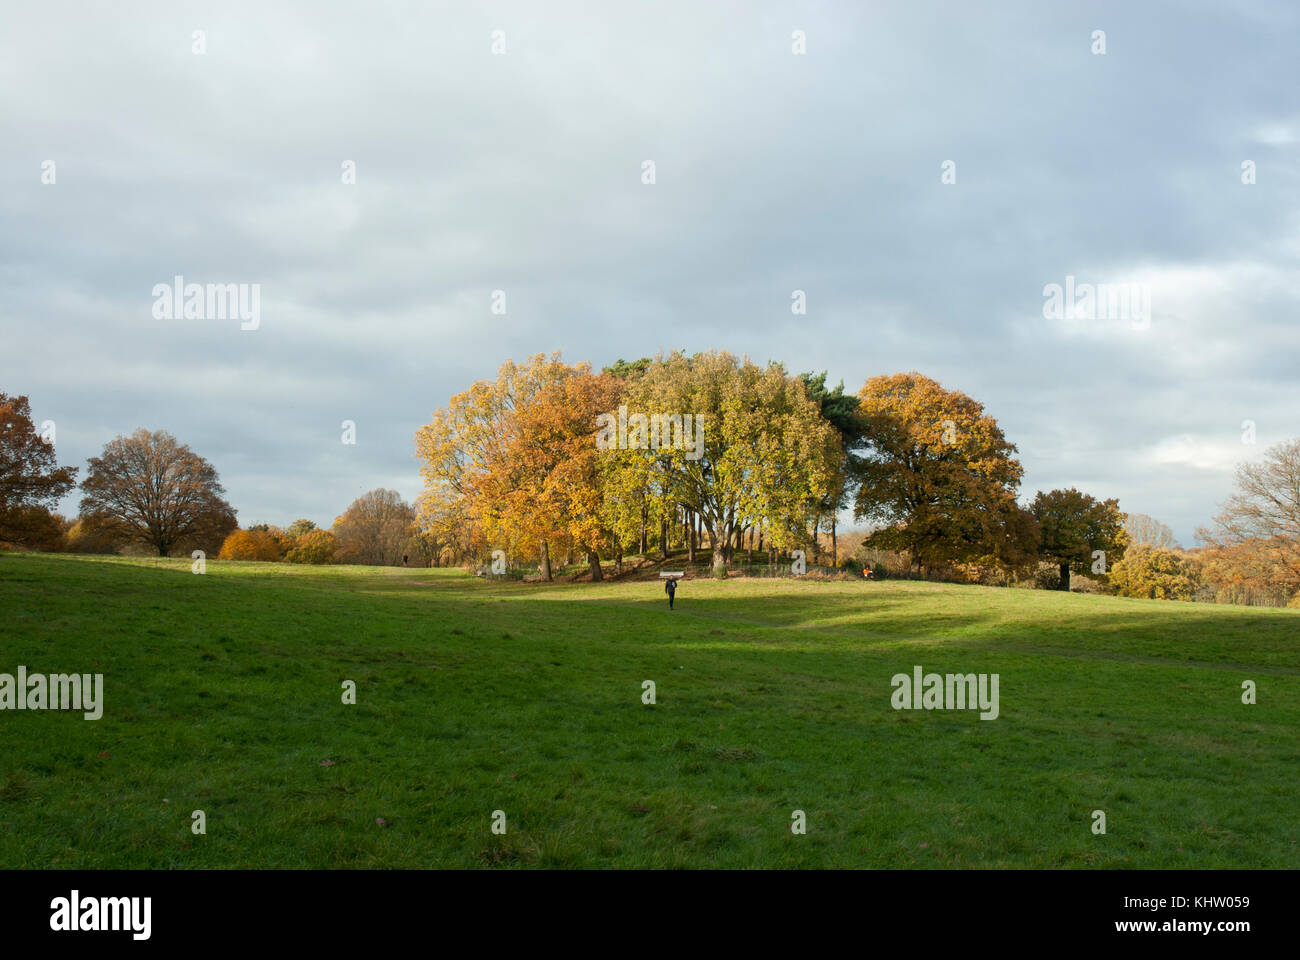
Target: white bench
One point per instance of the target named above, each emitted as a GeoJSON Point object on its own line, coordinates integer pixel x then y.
{"type": "Point", "coordinates": [676, 575]}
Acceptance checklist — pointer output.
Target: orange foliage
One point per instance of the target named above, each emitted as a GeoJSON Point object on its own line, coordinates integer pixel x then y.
{"type": "Point", "coordinates": [250, 545]}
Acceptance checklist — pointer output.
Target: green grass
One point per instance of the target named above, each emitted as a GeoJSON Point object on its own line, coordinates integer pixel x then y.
{"type": "Point", "coordinates": [223, 694]}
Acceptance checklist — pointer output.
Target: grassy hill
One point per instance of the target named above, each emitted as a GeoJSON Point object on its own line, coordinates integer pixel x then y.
{"type": "Point", "coordinates": [223, 693]}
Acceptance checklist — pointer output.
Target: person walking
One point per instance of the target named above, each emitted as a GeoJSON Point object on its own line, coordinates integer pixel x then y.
{"type": "Point", "coordinates": [670, 588]}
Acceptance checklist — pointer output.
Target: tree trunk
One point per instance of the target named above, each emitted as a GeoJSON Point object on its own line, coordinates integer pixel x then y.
{"type": "Point", "coordinates": [618, 554]}
{"type": "Point", "coordinates": [663, 536]}
{"type": "Point", "coordinates": [835, 552]}
{"type": "Point", "coordinates": [1065, 576]}
{"type": "Point", "coordinates": [594, 558]}
{"type": "Point", "coordinates": [544, 568]}
{"type": "Point", "coordinates": [719, 555]}
{"type": "Point", "coordinates": [690, 536]}
{"type": "Point", "coordinates": [643, 520]}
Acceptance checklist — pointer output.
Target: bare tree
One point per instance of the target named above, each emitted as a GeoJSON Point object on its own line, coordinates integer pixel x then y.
{"type": "Point", "coordinates": [375, 529]}
{"type": "Point", "coordinates": [1144, 530]}
{"type": "Point", "coordinates": [150, 489]}
{"type": "Point", "coordinates": [1266, 506]}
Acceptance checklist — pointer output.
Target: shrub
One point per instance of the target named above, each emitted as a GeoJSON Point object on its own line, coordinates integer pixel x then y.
{"type": "Point", "coordinates": [250, 545]}
{"type": "Point", "coordinates": [1047, 576]}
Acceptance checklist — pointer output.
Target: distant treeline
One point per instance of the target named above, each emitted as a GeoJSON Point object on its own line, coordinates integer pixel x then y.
{"type": "Point", "coordinates": [553, 463]}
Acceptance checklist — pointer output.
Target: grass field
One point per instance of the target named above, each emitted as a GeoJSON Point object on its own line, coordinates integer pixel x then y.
{"type": "Point", "coordinates": [223, 693]}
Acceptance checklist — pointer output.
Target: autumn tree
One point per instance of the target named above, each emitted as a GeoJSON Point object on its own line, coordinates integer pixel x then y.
{"type": "Point", "coordinates": [1156, 574]}
{"type": "Point", "coordinates": [374, 529]}
{"type": "Point", "coordinates": [150, 489]}
{"type": "Point", "coordinates": [555, 458]}
{"type": "Point", "coordinates": [31, 481]}
{"type": "Point", "coordinates": [1247, 572]}
{"type": "Point", "coordinates": [1265, 508]}
{"type": "Point", "coordinates": [445, 530]}
{"type": "Point", "coordinates": [34, 528]}
{"type": "Point", "coordinates": [937, 475]}
{"type": "Point", "coordinates": [755, 451]}
{"type": "Point", "coordinates": [474, 459]}
{"type": "Point", "coordinates": [1073, 526]}
{"type": "Point", "coordinates": [313, 546]}
{"type": "Point", "coordinates": [628, 372]}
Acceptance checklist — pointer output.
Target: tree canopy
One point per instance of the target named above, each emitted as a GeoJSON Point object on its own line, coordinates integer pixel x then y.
{"type": "Point", "coordinates": [149, 488]}
{"type": "Point", "coordinates": [938, 477]}
{"type": "Point", "coordinates": [31, 481]}
{"type": "Point", "coordinates": [1073, 526]}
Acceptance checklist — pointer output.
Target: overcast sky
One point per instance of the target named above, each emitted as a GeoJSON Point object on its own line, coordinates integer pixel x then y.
{"type": "Point", "coordinates": [775, 171]}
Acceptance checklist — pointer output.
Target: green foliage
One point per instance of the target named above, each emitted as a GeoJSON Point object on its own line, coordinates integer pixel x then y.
{"type": "Point", "coordinates": [628, 369]}
{"type": "Point", "coordinates": [1072, 525]}
{"type": "Point", "coordinates": [299, 527]}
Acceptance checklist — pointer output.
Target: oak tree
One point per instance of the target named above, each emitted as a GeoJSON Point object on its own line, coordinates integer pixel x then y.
{"type": "Point", "coordinates": [151, 489]}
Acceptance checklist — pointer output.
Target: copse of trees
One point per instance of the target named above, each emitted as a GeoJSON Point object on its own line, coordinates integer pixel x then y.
{"type": "Point", "coordinates": [531, 462]}
{"type": "Point", "coordinates": [692, 446]}
{"type": "Point", "coordinates": [551, 460]}
{"type": "Point", "coordinates": [377, 529]}
{"type": "Point", "coordinates": [762, 458]}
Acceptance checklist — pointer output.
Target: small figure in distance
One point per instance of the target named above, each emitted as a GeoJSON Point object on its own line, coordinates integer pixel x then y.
{"type": "Point", "coordinates": [404, 556]}
{"type": "Point", "coordinates": [866, 573]}
{"type": "Point", "coordinates": [670, 588]}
